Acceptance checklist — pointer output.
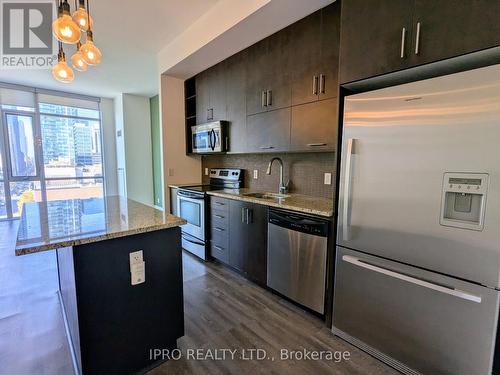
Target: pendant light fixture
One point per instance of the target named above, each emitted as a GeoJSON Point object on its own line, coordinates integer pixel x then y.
{"type": "Point", "coordinates": [81, 17]}
{"type": "Point", "coordinates": [64, 28]}
{"type": "Point", "coordinates": [77, 59]}
{"type": "Point", "coordinates": [69, 29]}
{"type": "Point", "coordinates": [62, 72]}
{"type": "Point", "coordinates": [91, 54]}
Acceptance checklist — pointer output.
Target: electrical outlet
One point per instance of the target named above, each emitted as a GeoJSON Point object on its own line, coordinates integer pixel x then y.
{"type": "Point", "coordinates": [136, 257]}
{"type": "Point", "coordinates": [206, 171]}
{"type": "Point", "coordinates": [137, 268]}
{"type": "Point", "coordinates": [328, 178]}
{"type": "Point", "coordinates": [255, 174]}
{"type": "Point", "coordinates": [170, 172]}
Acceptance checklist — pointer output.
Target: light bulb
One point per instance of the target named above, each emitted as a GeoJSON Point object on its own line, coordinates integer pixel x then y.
{"type": "Point", "coordinates": [64, 28]}
{"type": "Point", "coordinates": [81, 18]}
{"type": "Point", "coordinates": [62, 72]}
{"type": "Point", "coordinates": [78, 62]}
{"type": "Point", "coordinates": [91, 54]}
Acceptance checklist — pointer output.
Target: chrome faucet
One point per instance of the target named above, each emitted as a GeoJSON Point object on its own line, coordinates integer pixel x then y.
{"type": "Point", "coordinates": [283, 188]}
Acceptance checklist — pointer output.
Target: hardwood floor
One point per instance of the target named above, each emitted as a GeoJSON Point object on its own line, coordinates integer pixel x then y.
{"type": "Point", "coordinates": [32, 335]}
{"type": "Point", "coordinates": [225, 311]}
{"type": "Point", "coordinates": [222, 311]}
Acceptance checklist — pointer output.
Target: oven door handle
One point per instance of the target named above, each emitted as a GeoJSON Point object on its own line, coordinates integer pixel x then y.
{"type": "Point", "coordinates": [191, 241]}
{"type": "Point", "coordinates": [191, 196]}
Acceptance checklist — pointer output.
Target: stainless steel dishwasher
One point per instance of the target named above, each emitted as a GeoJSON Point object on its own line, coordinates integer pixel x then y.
{"type": "Point", "coordinates": [296, 257]}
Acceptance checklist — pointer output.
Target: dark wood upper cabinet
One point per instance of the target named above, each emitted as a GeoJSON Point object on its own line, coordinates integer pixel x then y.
{"type": "Point", "coordinates": [269, 131]}
{"type": "Point", "coordinates": [211, 94]}
{"type": "Point", "coordinates": [375, 37]}
{"type": "Point", "coordinates": [383, 36]}
{"type": "Point", "coordinates": [314, 126]}
{"type": "Point", "coordinates": [306, 46]}
{"type": "Point", "coordinates": [315, 49]}
{"type": "Point", "coordinates": [257, 76]}
{"type": "Point", "coordinates": [256, 89]}
{"type": "Point", "coordinates": [217, 89]}
{"type": "Point", "coordinates": [202, 97]}
{"type": "Point", "coordinates": [236, 101]}
{"type": "Point", "coordinates": [268, 74]}
{"type": "Point", "coordinates": [451, 28]}
{"type": "Point", "coordinates": [329, 59]}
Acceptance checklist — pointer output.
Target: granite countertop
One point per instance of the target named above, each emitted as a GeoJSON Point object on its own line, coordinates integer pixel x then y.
{"type": "Point", "coordinates": [294, 202]}
{"type": "Point", "coordinates": [55, 224]}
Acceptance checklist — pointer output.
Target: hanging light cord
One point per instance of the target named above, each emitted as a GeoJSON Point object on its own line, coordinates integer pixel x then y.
{"type": "Point", "coordinates": [88, 14]}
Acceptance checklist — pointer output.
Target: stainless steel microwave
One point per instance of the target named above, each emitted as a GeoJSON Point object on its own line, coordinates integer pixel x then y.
{"type": "Point", "coordinates": [210, 137]}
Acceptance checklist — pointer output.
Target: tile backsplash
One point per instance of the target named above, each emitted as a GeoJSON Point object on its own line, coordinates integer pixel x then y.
{"type": "Point", "coordinates": [305, 171]}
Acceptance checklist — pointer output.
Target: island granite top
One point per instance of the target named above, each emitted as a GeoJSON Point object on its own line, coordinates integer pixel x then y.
{"type": "Point", "coordinates": [55, 224]}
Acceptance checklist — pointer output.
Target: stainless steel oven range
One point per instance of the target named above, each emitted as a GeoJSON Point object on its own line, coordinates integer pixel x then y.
{"type": "Point", "coordinates": [191, 204]}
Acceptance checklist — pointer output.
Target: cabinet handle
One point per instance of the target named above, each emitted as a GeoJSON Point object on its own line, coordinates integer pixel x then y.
{"type": "Point", "coordinates": [322, 83]}
{"type": "Point", "coordinates": [208, 114]}
{"type": "Point", "coordinates": [219, 216]}
{"type": "Point", "coordinates": [266, 147]}
{"type": "Point", "coordinates": [269, 100]}
{"type": "Point", "coordinates": [220, 204]}
{"type": "Point", "coordinates": [403, 39]}
{"type": "Point", "coordinates": [219, 229]}
{"type": "Point", "coordinates": [263, 99]}
{"type": "Point", "coordinates": [249, 216]}
{"type": "Point", "coordinates": [243, 215]}
{"type": "Point", "coordinates": [218, 248]}
{"type": "Point", "coordinates": [417, 39]}
{"type": "Point", "coordinates": [317, 144]}
{"type": "Point", "coordinates": [315, 85]}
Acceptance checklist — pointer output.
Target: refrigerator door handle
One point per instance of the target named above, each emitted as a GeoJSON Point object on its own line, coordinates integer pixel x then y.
{"type": "Point", "coordinates": [347, 187]}
{"type": "Point", "coordinates": [426, 284]}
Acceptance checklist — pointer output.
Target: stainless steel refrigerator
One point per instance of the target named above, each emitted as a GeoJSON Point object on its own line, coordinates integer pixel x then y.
{"type": "Point", "coordinates": [418, 247]}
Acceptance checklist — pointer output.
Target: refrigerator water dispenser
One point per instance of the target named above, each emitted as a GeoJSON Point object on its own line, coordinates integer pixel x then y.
{"type": "Point", "coordinates": [464, 200]}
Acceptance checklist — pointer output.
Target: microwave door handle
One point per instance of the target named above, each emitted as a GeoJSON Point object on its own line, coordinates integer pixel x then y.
{"type": "Point", "coordinates": [413, 280]}
{"type": "Point", "coordinates": [213, 139]}
{"type": "Point", "coordinates": [347, 188]}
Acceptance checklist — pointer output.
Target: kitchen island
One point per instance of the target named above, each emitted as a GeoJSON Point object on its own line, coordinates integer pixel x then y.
{"type": "Point", "coordinates": [114, 318]}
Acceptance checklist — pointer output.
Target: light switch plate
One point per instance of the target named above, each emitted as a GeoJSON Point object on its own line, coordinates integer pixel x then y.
{"type": "Point", "coordinates": [170, 172]}
{"type": "Point", "coordinates": [255, 174]}
{"type": "Point", "coordinates": [206, 171]}
{"type": "Point", "coordinates": [328, 178]}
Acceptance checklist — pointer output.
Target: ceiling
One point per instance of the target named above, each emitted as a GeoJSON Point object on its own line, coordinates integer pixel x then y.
{"type": "Point", "coordinates": [129, 34]}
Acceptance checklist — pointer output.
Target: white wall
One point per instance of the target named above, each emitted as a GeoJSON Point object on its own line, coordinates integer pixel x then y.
{"type": "Point", "coordinates": [109, 145]}
{"type": "Point", "coordinates": [133, 148]}
{"type": "Point", "coordinates": [178, 168]}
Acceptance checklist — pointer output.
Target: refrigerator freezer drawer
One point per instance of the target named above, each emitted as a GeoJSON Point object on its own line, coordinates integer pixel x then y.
{"type": "Point", "coordinates": [415, 320]}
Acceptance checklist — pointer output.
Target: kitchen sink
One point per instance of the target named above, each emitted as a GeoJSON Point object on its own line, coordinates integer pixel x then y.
{"type": "Point", "coordinates": [269, 196]}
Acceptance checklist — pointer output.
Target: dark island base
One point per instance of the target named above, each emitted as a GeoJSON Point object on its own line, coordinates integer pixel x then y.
{"type": "Point", "coordinates": [115, 326]}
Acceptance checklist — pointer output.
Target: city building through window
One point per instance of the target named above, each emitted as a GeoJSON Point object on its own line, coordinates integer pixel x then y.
{"type": "Point", "coordinates": [50, 148]}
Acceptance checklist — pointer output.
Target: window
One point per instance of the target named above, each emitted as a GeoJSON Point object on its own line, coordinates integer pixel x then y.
{"type": "Point", "coordinates": [50, 149]}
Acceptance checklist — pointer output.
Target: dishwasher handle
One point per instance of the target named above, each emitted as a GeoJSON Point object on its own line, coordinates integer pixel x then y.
{"type": "Point", "coordinates": [299, 223]}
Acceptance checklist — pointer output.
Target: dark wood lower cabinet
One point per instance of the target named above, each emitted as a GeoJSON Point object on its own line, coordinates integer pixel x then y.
{"type": "Point", "coordinates": [256, 249]}
{"type": "Point", "coordinates": [247, 240]}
